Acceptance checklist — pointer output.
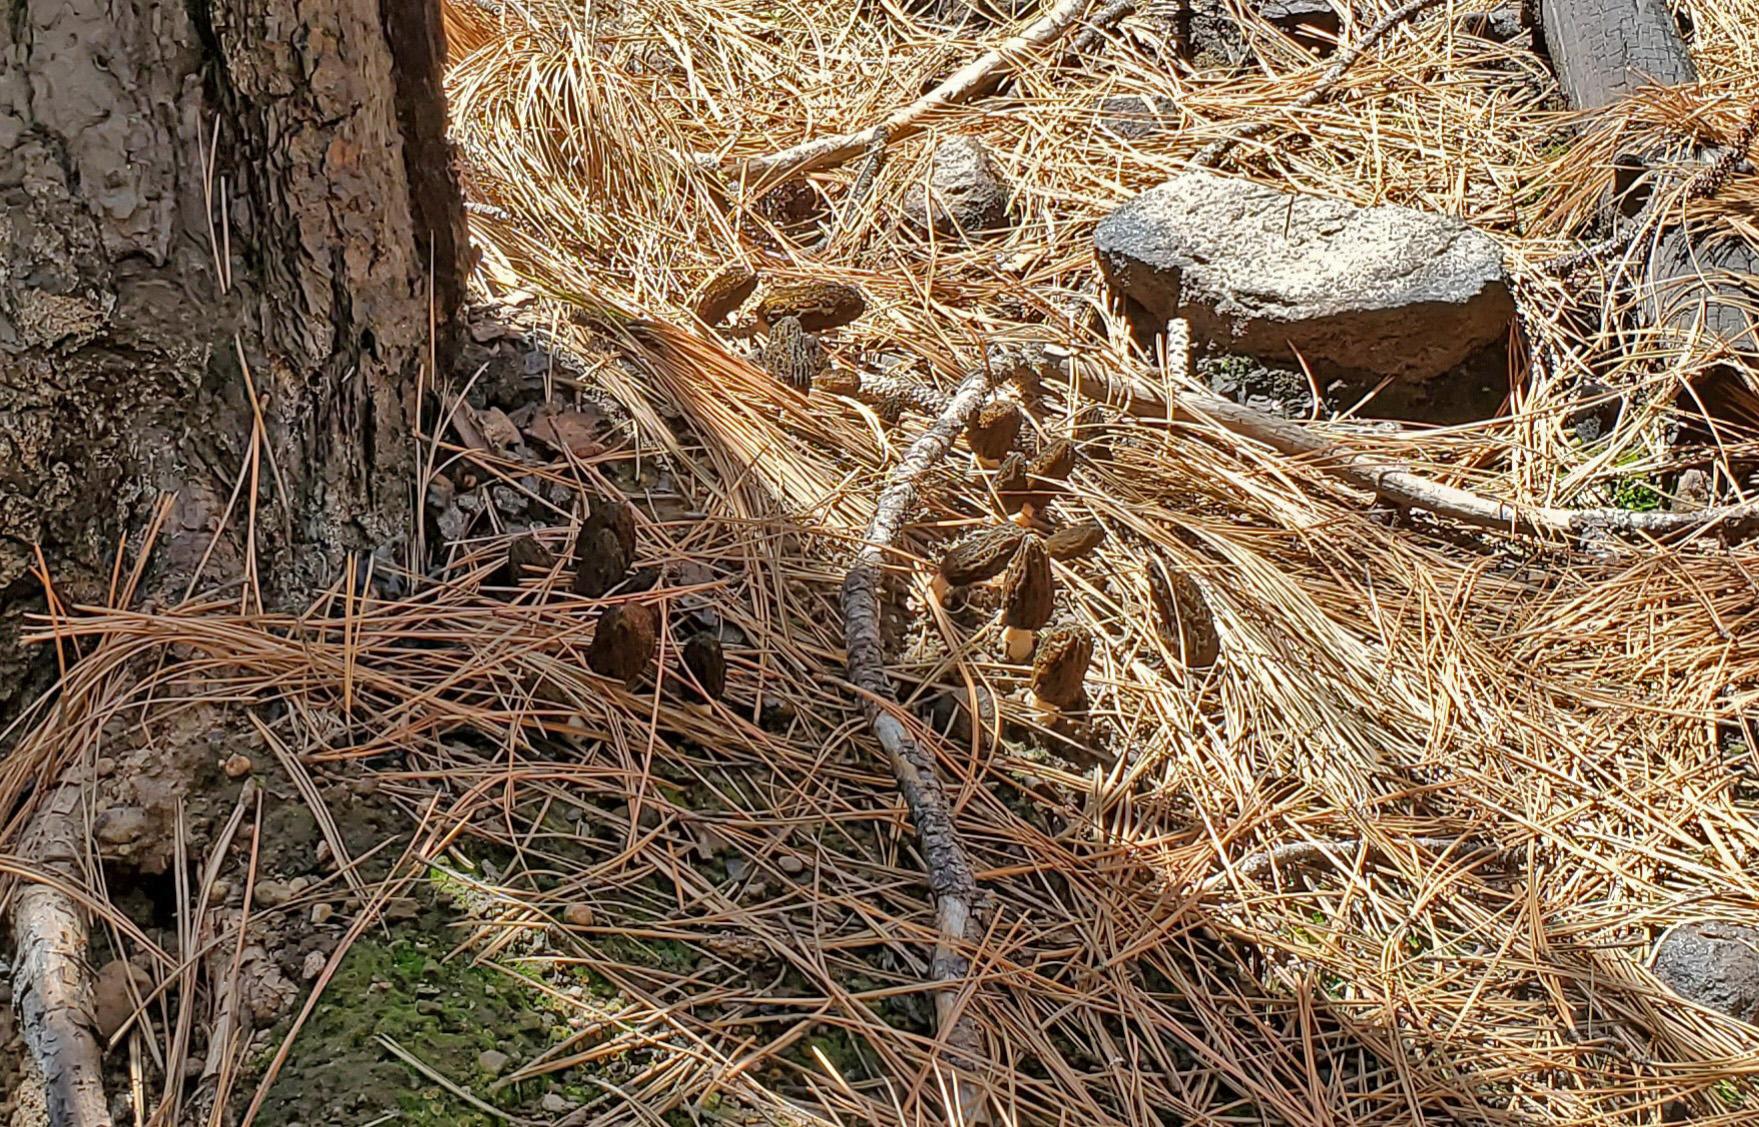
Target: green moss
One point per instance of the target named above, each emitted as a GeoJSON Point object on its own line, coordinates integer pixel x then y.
{"type": "Point", "coordinates": [1636, 494]}
{"type": "Point", "coordinates": [446, 1013]}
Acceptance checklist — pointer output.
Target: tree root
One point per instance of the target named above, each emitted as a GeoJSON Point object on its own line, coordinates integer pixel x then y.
{"type": "Point", "coordinates": [950, 873]}
{"type": "Point", "coordinates": [52, 984]}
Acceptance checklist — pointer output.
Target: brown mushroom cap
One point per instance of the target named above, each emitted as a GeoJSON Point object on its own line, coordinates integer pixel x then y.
{"type": "Point", "coordinates": [725, 292]}
{"type": "Point", "coordinates": [625, 641]}
{"type": "Point", "coordinates": [1014, 482]}
{"type": "Point", "coordinates": [1074, 541]}
{"type": "Point", "coordinates": [994, 430]}
{"type": "Point", "coordinates": [792, 355]}
{"type": "Point", "coordinates": [1054, 462]}
{"type": "Point", "coordinates": [1029, 593]}
{"type": "Point", "coordinates": [981, 556]}
{"type": "Point", "coordinates": [525, 554]}
{"type": "Point", "coordinates": [1185, 618]}
{"type": "Point", "coordinates": [618, 515]}
{"type": "Point", "coordinates": [1060, 666]}
{"type": "Point", "coordinates": [820, 305]}
{"type": "Point", "coordinates": [707, 662]}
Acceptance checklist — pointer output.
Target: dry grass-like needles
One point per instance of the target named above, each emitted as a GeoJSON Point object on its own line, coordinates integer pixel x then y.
{"type": "Point", "coordinates": [1522, 759]}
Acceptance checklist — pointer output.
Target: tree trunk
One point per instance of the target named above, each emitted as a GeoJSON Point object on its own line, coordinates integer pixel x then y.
{"type": "Point", "coordinates": [225, 226]}
{"type": "Point", "coordinates": [197, 198]}
{"type": "Point", "coordinates": [1603, 52]}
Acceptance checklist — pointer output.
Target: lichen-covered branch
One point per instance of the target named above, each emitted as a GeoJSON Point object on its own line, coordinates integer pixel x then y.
{"type": "Point", "coordinates": [51, 983]}
{"type": "Point", "coordinates": [950, 874]}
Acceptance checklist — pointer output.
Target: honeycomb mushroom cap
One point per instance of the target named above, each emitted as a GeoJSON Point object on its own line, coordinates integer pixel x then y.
{"type": "Point", "coordinates": [1059, 668]}
{"type": "Point", "coordinates": [981, 556]}
{"type": "Point", "coordinates": [995, 429]}
{"type": "Point", "coordinates": [707, 662]}
{"type": "Point", "coordinates": [625, 641]}
{"type": "Point", "coordinates": [1074, 541]}
{"type": "Point", "coordinates": [1029, 593]}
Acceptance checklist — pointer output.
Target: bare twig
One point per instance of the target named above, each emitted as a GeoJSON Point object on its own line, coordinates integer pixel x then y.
{"type": "Point", "coordinates": [950, 873]}
{"type": "Point", "coordinates": [52, 981]}
{"type": "Point", "coordinates": [969, 82]}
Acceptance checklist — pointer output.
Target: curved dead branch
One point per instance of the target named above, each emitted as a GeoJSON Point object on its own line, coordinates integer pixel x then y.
{"type": "Point", "coordinates": [971, 81]}
{"type": "Point", "coordinates": [950, 874]}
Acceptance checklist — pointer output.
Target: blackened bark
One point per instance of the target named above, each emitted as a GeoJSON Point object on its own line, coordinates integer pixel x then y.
{"type": "Point", "coordinates": [1603, 52]}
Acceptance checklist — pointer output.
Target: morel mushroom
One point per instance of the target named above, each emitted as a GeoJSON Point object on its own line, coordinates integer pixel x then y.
{"type": "Point", "coordinates": [525, 553]}
{"type": "Point", "coordinates": [625, 641]}
{"type": "Point", "coordinates": [1055, 462]}
{"type": "Point", "coordinates": [1074, 541]}
{"type": "Point", "coordinates": [605, 548]}
{"type": "Point", "coordinates": [993, 432]}
{"type": "Point", "coordinates": [1029, 595]}
{"type": "Point", "coordinates": [1060, 668]}
{"type": "Point", "coordinates": [792, 355]}
{"type": "Point", "coordinates": [819, 305]}
{"type": "Point", "coordinates": [976, 559]}
{"type": "Point", "coordinates": [707, 663]}
{"type": "Point", "coordinates": [725, 292]}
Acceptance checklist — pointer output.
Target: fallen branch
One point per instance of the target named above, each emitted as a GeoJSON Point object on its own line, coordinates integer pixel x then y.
{"type": "Point", "coordinates": [971, 81]}
{"type": "Point", "coordinates": [52, 983]}
{"type": "Point", "coordinates": [950, 874]}
{"type": "Point", "coordinates": [1409, 490]}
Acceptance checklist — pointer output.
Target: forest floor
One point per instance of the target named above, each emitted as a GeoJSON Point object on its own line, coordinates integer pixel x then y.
{"type": "Point", "coordinates": [484, 884]}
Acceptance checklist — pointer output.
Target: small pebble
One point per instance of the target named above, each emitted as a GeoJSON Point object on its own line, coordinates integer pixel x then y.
{"type": "Point", "coordinates": [121, 825]}
{"type": "Point", "coordinates": [313, 965]}
{"type": "Point", "coordinates": [236, 766]}
{"type": "Point", "coordinates": [553, 1103]}
{"type": "Point", "coordinates": [493, 1061]}
{"type": "Point", "coordinates": [299, 884]}
{"type": "Point", "coordinates": [790, 864]}
{"type": "Point", "coordinates": [324, 853]}
{"type": "Point", "coordinates": [271, 893]}
{"type": "Point", "coordinates": [577, 915]}
{"type": "Point", "coordinates": [321, 913]}
{"type": "Point", "coordinates": [104, 767]}
{"type": "Point", "coordinates": [220, 890]}
{"type": "Point", "coordinates": [737, 867]}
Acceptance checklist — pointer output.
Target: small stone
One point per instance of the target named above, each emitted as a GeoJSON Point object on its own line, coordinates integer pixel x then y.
{"type": "Point", "coordinates": [104, 767]}
{"type": "Point", "coordinates": [272, 893]}
{"type": "Point", "coordinates": [577, 915]}
{"type": "Point", "coordinates": [554, 1104]}
{"type": "Point", "coordinates": [402, 908]}
{"type": "Point", "coordinates": [299, 884]}
{"type": "Point", "coordinates": [220, 890]}
{"type": "Point", "coordinates": [314, 964]}
{"type": "Point", "coordinates": [112, 1001]}
{"type": "Point", "coordinates": [737, 868]}
{"type": "Point", "coordinates": [322, 913]}
{"type": "Point", "coordinates": [493, 1062]}
{"type": "Point", "coordinates": [236, 766]}
{"type": "Point", "coordinates": [1313, 24]}
{"type": "Point", "coordinates": [1136, 116]}
{"type": "Point", "coordinates": [963, 194]}
{"type": "Point", "coordinates": [790, 864]}
{"type": "Point", "coordinates": [1713, 963]}
{"type": "Point", "coordinates": [1691, 493]}
{"type": "Point", "coordinates": [324, 853]}
{"type": "Point", "coordinates": [121, 825]}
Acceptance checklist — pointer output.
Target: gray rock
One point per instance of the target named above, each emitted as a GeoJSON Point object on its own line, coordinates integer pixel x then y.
{"type": "Point", "coordinates": [1381, 291]}
{"type": "Point", "coordinates": [121, 825]}
{"type": "Point", "coordinates": [1136, 116]}
{"type": "Point", "coordinates": [963, 193]}
{"type": "Point", "coordinates": [493, 1062]}
{"type": "Point", "coordinates": [1501, 24]}
{"type": "Point", "coordinates": [1714, 964]}
{"type": "Point", "coordinates": [1311, 23]}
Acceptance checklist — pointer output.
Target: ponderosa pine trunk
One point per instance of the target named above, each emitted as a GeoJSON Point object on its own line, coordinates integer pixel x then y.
{"type": "Point", "coordinates": [198, 197]}
{"type": "Point", "coordinates": [225, 229]}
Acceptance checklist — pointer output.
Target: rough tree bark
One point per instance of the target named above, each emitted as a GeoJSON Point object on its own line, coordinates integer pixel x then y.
{"type": "Point", "coordinates": [202, 199]}
{"type": "Point", "coordinates": [1603, 52]}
